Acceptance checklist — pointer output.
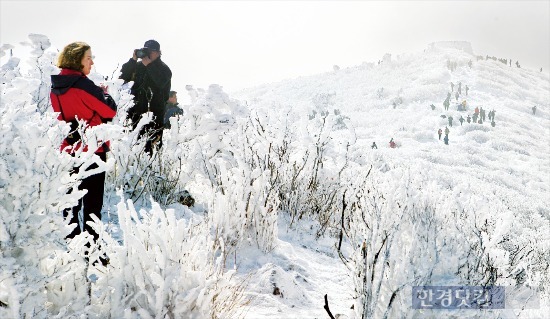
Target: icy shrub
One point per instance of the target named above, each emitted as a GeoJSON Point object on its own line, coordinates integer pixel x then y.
{"type": "Point", "coordinates": [391, 230]}
{"type": "Point", "coordinates": [203, 154]}
{"type": "Point", "coordinates": [42, 64]}
{"type": "Point", "coordinates": [195, 141]}
{"type": "Point", "coordinates": [299, 155]}
{"type": "Point", "coordinates": [395, 228]}
{"type": "Point", "coordinates": [34, 179]}
{"type": "Point", "coordinates": [501, 145]}
{"type": "Point", "coordinates": [168, 267]}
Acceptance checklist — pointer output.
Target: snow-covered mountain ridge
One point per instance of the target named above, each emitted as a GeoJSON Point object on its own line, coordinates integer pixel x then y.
{"type": "Point", "coordinates": [502, 171]}
{"type": "Point", "coordinates": [517, 146]}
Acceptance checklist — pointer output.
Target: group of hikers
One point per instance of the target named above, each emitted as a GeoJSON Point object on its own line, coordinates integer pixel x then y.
{"type": "Point", "coordinates": [458, 93]}
{"type": "Point", "coordinates": [446, 138]}
{"type": "Point", "coordinates": [392, 144]}
{"type": "Point", "coordinates": [502, 60]}
{"type": "Point", "coordinates": [77, 98]}
{"type": "Point", "coordinates": [452, 65]}
{"type": "Point", "coordinates": [479, 115]}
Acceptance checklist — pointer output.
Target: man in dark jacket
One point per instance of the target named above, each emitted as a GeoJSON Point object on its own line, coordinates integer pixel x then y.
{"type": "Point", "coordinates": [172, 108]}
{"type": "Point", "coordinates": [152, 82]}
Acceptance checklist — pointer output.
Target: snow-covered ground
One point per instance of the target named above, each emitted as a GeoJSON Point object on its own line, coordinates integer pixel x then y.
{"type": "Point", "coordinates": [497, 177]}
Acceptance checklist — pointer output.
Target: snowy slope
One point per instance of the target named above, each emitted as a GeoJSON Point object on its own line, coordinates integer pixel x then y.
{"type": "Point", "coordinates": [514, 153]}
{"type": "Point", "coordinates": [501, 168]}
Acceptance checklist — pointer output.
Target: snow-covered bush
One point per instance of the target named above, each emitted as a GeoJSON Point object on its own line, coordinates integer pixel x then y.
{"type": "Point", "coordinates": [34, 180]}
{"type": "Point", "coordinates": [309, 167]}
{"type": "Point", "coordinates": [167, 267]}
{"type": "Point", "coordinates": [403, 235]}
{"type": "Point", "coordinates": [43, 64]}
{"type": "Point", "coordinates": [395, 233]}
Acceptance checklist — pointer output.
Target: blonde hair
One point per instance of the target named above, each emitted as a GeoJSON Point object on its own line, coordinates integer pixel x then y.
{"type": "Point", "coordinates": [71, 56]}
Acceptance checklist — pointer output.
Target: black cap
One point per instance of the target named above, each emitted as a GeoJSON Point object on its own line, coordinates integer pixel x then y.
{"type": "Point", "coordinates": [152, 45]}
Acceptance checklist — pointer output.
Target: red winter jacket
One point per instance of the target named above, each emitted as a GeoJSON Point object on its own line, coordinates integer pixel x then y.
{"type": "Point", "coordinates": [80, 98]}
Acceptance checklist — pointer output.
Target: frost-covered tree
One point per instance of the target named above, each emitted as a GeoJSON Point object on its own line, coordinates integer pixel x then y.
{"type": "Point", "coordinates": [34, 180]}
{"type": "Point", "coordinates": [43, 65]}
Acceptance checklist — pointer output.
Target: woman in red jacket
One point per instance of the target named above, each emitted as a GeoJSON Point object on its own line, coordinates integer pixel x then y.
{"type": "Point", "coordinates": [75, 96]}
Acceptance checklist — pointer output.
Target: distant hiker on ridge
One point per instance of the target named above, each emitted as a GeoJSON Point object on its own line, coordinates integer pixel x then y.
{"type": "Point", "coordinates": [439, 132]}
{"type": "Point", "coordinates": [534, 109]}
{"type": "Point", "coordinates": [461, 106]}
{"type": "Point", "coordinates": [491, 115]}
{"type": "Point", "coordinates": [459, 87]}
{"type": "Point", "coordinates": [446, 104]}
{"type": "Point", "coordinates": [457, 95]}
{"type": "Point", "coordinates": [461, 120]}
{"type": "Point", "coordinates": [432, 106]}
{"type": "Point", "coordinates": [446, 139]}
{"type": "Point", "coordinates": [446, 130]}
{"type": "Point", "coordinates": [450, 119]}
{"type": "Point", "coordinates": [452, 87]}
{"type": "Point", "coordinates": [392, 143]}
{"type": "Point", "coordinates": [373, 146]}
{"type": "Point", "coordinates": [468, 119]}
{"type": "Point", "coordinates": [466, 88]}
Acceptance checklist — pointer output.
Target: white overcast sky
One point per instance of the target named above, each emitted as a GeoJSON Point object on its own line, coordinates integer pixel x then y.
{"type": "Point", "coordinates": [239, 44]}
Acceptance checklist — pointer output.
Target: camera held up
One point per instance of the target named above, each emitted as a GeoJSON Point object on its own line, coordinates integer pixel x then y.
{"type": "Point", "coordinates": [141, 53]}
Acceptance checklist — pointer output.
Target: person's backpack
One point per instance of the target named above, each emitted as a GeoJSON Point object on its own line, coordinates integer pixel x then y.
{"type": "Point", "coordinates": [185, 198]}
